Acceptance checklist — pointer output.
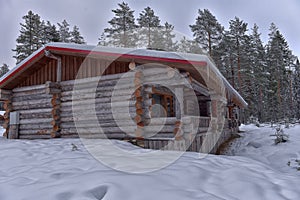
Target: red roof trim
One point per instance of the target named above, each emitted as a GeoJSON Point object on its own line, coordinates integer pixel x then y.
{"type": "Point", "coordinates": [22, 66]}
{"type": "Point", "coordinates": [132, 56]}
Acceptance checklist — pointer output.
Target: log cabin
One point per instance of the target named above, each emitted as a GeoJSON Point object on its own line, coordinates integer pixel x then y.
{"type": "Point", "coordinates": [158, 99]}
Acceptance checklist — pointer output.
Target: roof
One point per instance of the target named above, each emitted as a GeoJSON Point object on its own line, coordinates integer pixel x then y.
{"type": "Point", "coordinates": [132, 53]}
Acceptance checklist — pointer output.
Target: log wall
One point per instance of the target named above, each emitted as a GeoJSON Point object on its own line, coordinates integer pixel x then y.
{"type": "Point", "coordinates": [88, 110]}
{"type": "Point", "coordinates": [90, 106]}
{"type": "Point", "coordinates": [34, 106]}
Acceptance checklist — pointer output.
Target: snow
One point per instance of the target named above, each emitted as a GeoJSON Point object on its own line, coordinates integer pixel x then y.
{"type": "Point", "coordinates": [257, 144]}
{"type": "Point", "coordinates": [52, 169]}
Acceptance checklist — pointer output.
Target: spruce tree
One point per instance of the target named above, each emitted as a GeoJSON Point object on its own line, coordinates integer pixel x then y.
{"type": "Point", "coordinates": [29, 39]}
{"type": "Point", "coordinates": [122, 32]}
{"type": "Point", "coordinates": [76, 36]}
{"type": "Point", "coordinates": [279, 59]}
{"type": "Point", "coordinates": [4, 69]}
{"type": "Point", "coordinates": [64, 31]}
{"type": "Point", "coordinates": [49, 33]}
{"type": "Point", "coordinates": [207, 30]}
{"type": "Point", "coordinates": [296, 88]}
{"type": "Point", "coordinates": [224, 58]}
{"type": "Point", "coordinates": [259, 75]}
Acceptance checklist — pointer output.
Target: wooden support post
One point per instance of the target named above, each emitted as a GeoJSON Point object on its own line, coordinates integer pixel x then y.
{"type": "Point", "coordinates": [55, 90]}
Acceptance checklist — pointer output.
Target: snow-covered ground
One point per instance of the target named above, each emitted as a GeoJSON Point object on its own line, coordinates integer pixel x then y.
{"type": "Point", "coordinates": [53, 170]}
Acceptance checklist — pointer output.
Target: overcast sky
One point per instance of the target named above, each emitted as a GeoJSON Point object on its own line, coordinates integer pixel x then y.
{"type": "Point", "coordinates": [92, 15]}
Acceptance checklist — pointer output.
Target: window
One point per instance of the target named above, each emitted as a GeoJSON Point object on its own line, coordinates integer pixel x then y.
{"type": "Point", "coordinates": [162, 105]}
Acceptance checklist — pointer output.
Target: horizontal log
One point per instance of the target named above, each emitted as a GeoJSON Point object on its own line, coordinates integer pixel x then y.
{"type": "Point", "coordinates": [92, 128]}
{"type": "Point", "coordinates": [96, 124]}
{"type": "Point", "coordinates": [33, 136]}
{"type": "Point", "coordinates": [35, 115]}
{"type": "Point", "coordinates": [32, 106]}
{"type": "Point", "coordinates": [96, 136]}
{"type": "Point", "coordinates": [35, 120]}
{"type": "Point", "coordinates": [41, 110]}
{"type": "Point", "coordinates": [97, 79]}
{"type": "Point", "coordinates": [32, 102]}
{"type": "Point", "coordinates": [35, 126]}
{"type": "Point", "coordinates": [115, 106]}
{"type": "Point", "coordinates": [69, 111]}
{"type": "Point", "coordinates": [31, 97]}
{"type": "Point", "coordinates": [189, 129]}
{"type": "Point", "coordinates": [189, 120]}
{"type": "Point", "coordinates": [29, 88]}
{"type": "Point", "coordinates": [99, 92]}
{"type": "Point", "coordinates": [97, 101]}
{"type": "Point", "coordinates": [166, 83]}
{"type": "Point", "coordinates": [74, 135]}
{"type": "Point", "coordinates": [98, 108]}
{"type": "Point", "coordinates": [98, 98]}
{"type": "Point", "coordinates": [28, 93]}
{"type": "Point", "coordinates": [112, 123]}
{"type": "Point", "coordinates": [42, 132]}
{"type": "Point", "coordinates": [83, 131]}
{"type": "Point", "coordinates": [102, 118]}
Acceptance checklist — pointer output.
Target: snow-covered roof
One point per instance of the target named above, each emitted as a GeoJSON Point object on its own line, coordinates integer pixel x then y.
{"type": "Point", "coordinates": [118, 51]}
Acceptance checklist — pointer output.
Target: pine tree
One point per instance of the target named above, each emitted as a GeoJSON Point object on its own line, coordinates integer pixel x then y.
{"type": "Point", "coordinates": [64, 32]}
{"type": "Point", "coordinates": [123, 27]}
{"type": "Point", "coordinates": [29, 39]}
{"type": "Point", "coordinates": [207, 30]}
{"type": "Point", "coordinates": [4, 69]}
{"type": "Point", "coordinates": [149, 28]}
{"type": "Point", "coordinates": [49, 33]}
{"type": "Point", "coordinates": [239, 39]}
{"type": "Point", "coordinates": [76, 36]}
